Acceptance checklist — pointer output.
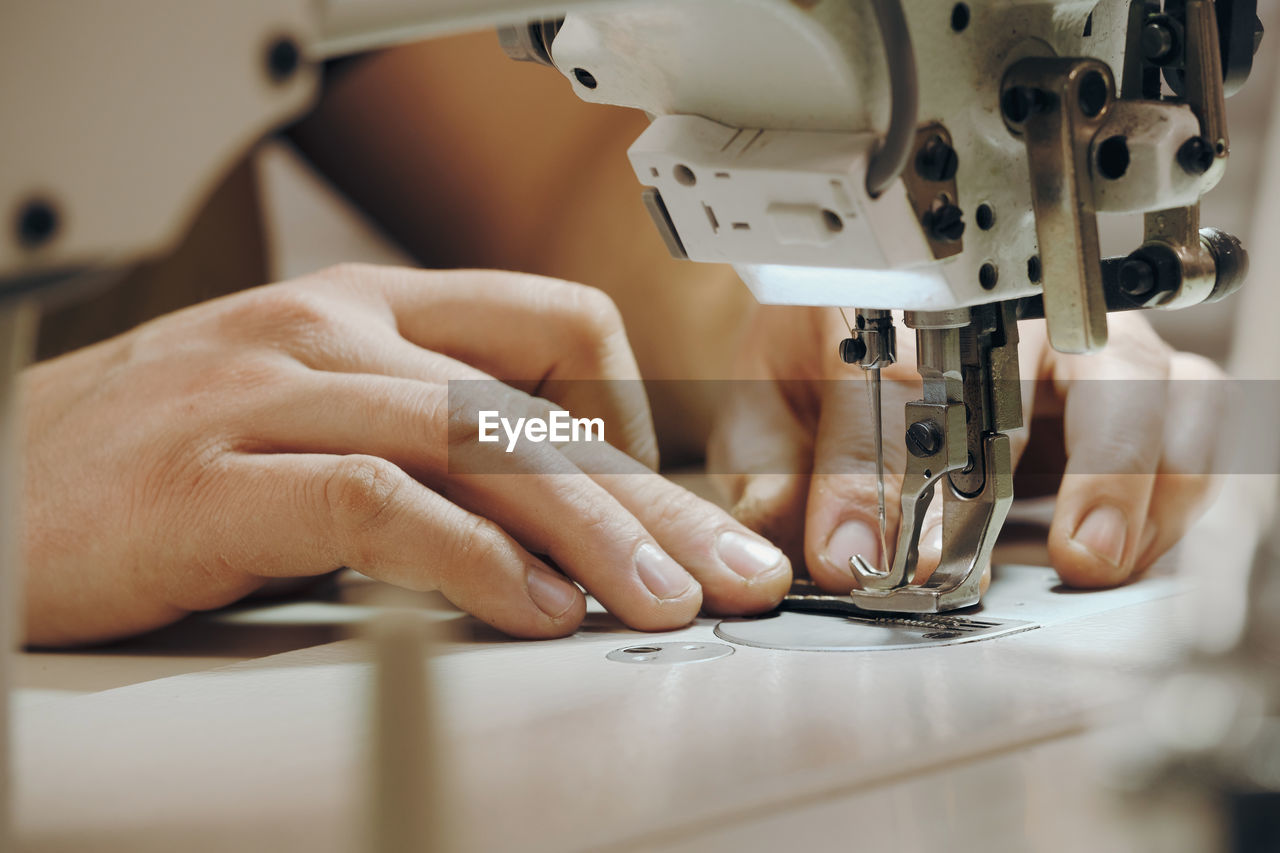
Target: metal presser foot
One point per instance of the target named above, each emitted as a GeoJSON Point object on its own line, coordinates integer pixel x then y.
{"type": "Point", "coordinates": [968, 360]}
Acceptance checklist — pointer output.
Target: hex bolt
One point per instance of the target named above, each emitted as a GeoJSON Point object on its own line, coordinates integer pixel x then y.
{"type": "Point", "coordinates": [1158, 43]}
{"type": "Point", "coordinates": [1137, 277]}
{"type": "Point", "coordinates": [946, 224]}
{"type": "Point", "coordinates": [936, 161]}
{"type": "Point", "coordinates": [923, 439]}
{"type": "Point", "coordinates": [1196, 155]}
{"type": "Point", "coordinates": [852, 350]}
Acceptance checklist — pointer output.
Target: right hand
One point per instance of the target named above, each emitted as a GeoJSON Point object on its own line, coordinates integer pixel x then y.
{"type": "Point", "coordinates": [298, 428]}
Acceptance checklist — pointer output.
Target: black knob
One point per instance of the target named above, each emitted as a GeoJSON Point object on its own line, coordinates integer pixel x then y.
{"type": "Point", "coordinates": [937, 161]}
{"type": "Point", "coordinates": [1196, 155]}
{"type": "Point", "coordinates": [1137, 278]}
{"type": "Point", "coordinates": [852, 350]}
{"type": "Point", "coordinates": [946, 224]}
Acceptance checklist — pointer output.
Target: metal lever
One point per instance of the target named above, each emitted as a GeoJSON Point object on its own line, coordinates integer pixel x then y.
{"type": "Point", "coordinates": [1057, 105]}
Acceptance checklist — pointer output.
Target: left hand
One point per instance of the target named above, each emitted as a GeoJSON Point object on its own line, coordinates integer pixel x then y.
{"type": "Point", "coordinates": [796, 446]}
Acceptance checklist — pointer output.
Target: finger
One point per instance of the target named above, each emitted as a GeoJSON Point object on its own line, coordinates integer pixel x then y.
{"type": "Point", "coordinates": [740, 572]}
{"type": "Point", "coordinates": [297, 515]}
{"type": "Point", "coordinates": [930, 549]}
{"type": "Point", "coordinates": [760, 455]}
{"type": "Point", "coordinates": [1185, 482]}
{"type": "Point", "coordinates": [842, 517]}
{"type": "Point", "coordinates": [535, 493]}
{"type": "Point", "coordinates": [559, 340]}
{"type": "Point", "coordinates": [1114, 431]}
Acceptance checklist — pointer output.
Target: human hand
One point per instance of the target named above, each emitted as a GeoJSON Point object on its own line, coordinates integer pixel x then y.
{"type": "Point", "coordinates": [796, 449]}
{"type": "Point", "coordinates": [294, 429]}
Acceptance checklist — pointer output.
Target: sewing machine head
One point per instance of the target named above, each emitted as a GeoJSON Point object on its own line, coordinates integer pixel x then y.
{"type": "Point", "coordinates": [945, 159]}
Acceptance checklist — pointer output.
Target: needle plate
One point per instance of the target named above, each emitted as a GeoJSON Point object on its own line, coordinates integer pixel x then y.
{"type": "Point", "coordinates": [832, 623]}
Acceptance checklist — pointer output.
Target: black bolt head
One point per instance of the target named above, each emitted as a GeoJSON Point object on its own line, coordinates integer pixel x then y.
{"type": "Point", "coordinates": [1158, 43]}
{"type": "Point", "coordinates": [937, 161]}
{"type": "Point", "coordinates": [1137, 278]}
{"type": "Point", "coordinates": [852, 350]}
{"type": "Point", "coordinates": [1196, 155]}
{"type": "Point", "coordinates": [283, 59]}
{"type": "Point", "coordinates": [945, 224]}
{"type": "Point", "coordinates": [923, 439]}
{"type": "Point", "coordinates": [1033, 269]}
{"type": "Point", "coordinates": [37, 223]}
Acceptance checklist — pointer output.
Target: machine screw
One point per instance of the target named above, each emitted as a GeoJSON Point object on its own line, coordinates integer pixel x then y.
{"type": "Point", "coordinates": [1033, 269]}
{"type": "Point", "coordinates": [1137, 277]}
{"type": "Point", "coordinates": [283, 59]}
{"type": "Point", "coordinates": [852, 350]}
{"type": "Point", "coordinates": [988, 276]}
{"type": "Point", "coordinates": [37, 223]}
{"type": "Point", "coordinates": [936, 161]}
{"type": "Point", "coordinates": [923, 439]}
{"type": "Point", "coordinates": [946, 224]}
{"type": "Point", "coordinates": [1196, 155]}
{"type": "Point", "coordinates": [1158, 43]}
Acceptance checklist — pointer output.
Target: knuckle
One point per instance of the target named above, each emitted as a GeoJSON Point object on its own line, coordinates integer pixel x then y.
{"type": "Point", "coordinates": [672, 509]}
{"type": "Point", "coordinates": [1193, 366]}
{"type": "Point", "coordinates": [477, 542]}
{"type": "Point", "coordinates": [360, 494]}
{"type": "Point", "coordinates": [592, 315]}
{"type": "Point", "coordinates": [237, 378]}
{"type": "Point", "coordinates": [284, 312]}
{"type": "Point", "coordinates": [347, 272]}
{"type": "Point", "coordinates": [855, 489]}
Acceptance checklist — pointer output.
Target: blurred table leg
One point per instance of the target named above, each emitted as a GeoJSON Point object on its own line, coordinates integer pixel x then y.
{"type": "Point", "coordinates": [17, 325]}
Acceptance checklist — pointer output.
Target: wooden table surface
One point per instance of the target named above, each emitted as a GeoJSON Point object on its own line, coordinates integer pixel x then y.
{"type": "Point", "coordinates": [249, 729]}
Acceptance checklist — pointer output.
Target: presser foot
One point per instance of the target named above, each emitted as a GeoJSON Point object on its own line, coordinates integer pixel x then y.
{"type": "Point", "coordinates": [970, 524]}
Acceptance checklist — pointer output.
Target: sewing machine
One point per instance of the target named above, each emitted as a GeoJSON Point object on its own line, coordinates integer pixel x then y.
{"type": "Point", "coordinates": [946, 160]}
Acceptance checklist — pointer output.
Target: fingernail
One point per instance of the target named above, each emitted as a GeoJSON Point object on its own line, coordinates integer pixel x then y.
{"type": "Point", "coordinates": [1102, 533]}
{"type": "Point", "coordinates": [852, 537]}
{"type": "Point", "coordinates": [662, 575]}
{"type": "Point", "coordinates": [746, 555]}
{"type": "Point", "coordinates": [552, 594]}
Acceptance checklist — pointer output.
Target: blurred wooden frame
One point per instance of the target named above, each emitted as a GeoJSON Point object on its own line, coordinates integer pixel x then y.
{"type": "Point", "coordinates": [223, 251]}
